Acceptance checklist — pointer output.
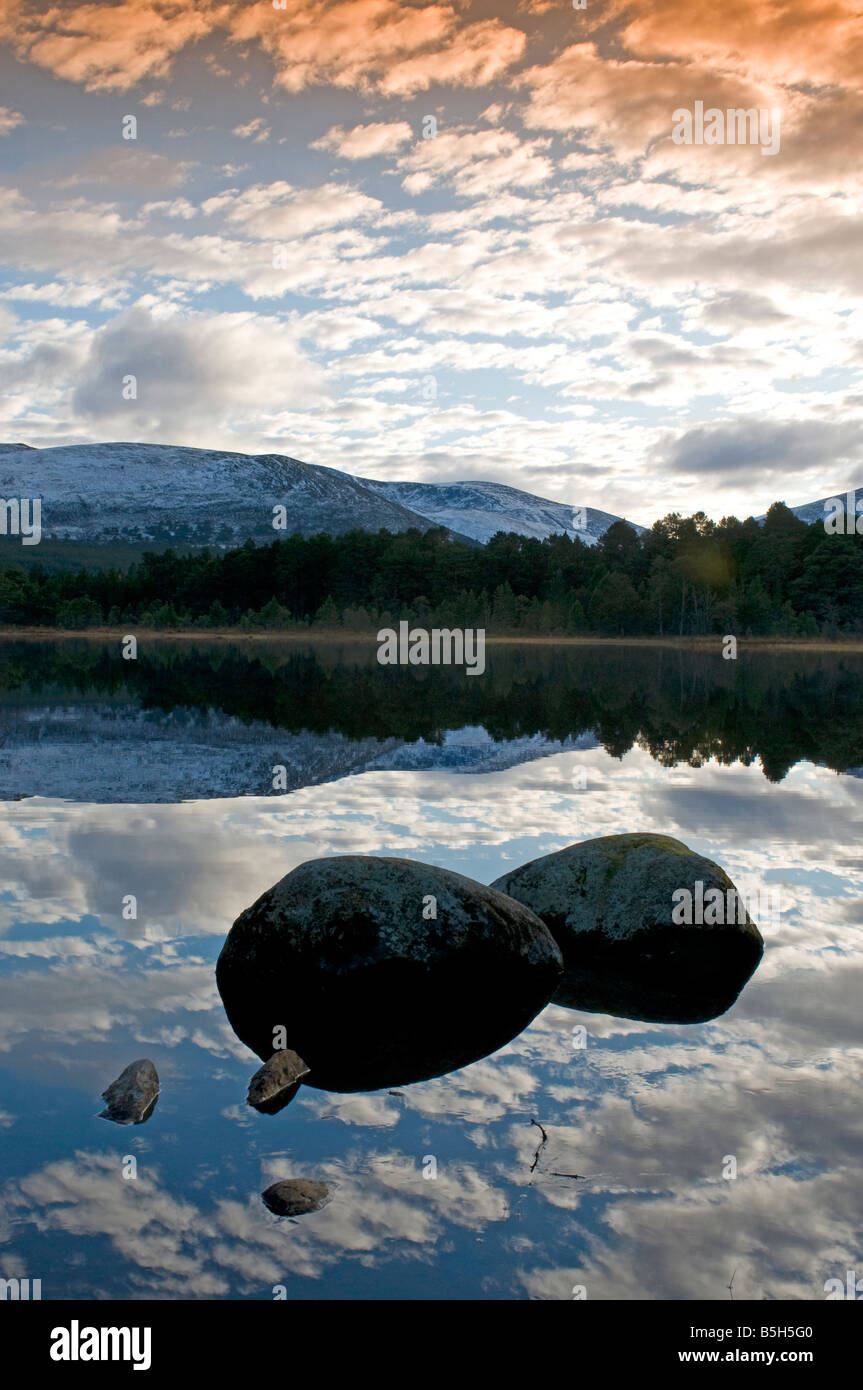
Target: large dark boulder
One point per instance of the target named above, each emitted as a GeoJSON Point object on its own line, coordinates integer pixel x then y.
{"type": "Point", "coordinates": [618, 907]}
{"type": "Point", "coordinates": [384, 971]}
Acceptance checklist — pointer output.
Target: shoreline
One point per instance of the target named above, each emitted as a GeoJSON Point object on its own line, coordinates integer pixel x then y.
{"type": "Point", "coordinates": [328, 636]}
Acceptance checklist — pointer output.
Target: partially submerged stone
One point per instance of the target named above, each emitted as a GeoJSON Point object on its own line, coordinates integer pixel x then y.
{"type": "Point", "coordinates": [648, 928]}
{"type": "Point", "coordinates": [296, 1196]}
{"type": "Point", "coordinates": [384, 971]}
{"type": "Point", "coordinates": [132, 1097]}
{"type": "Point", "coordinates": [275, 1084]}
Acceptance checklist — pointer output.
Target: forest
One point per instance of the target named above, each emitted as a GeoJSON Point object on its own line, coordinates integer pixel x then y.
{"type": "Point", "coordinates": [685, 576]}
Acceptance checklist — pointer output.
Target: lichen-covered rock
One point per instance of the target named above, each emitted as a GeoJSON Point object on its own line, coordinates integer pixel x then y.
{"type": "Point", "coordinates": [384, 971]}
{"type": "Point", "coordinates": [275, 1084]}
{"type": "Point", "coordinates": [648, 928]}
{"type": "Point", "coordinates": [296, 1196]}
{"type": "Point", "coordinates": [132, 1097]}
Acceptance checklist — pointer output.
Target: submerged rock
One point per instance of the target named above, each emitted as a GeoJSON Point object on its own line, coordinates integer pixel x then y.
{"type": "Point", "coordinates": [384, 971]}
{"type": "Point", "coordinates": [132, 1097]}
{"type": "Point", "coordinates": [276, 1083]}
{"type": "Point", "coordinates": [649, 929]}
{"type": "Point", "coordinates": [296, 1196]}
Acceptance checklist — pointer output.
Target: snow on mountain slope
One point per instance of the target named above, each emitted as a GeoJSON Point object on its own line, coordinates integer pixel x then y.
{"type": "Point", "coordinates": [816, 511]}
{"type": "Point", "coordinates": [479, 509]}
{"type": "Point", "coordinates": [101, 492]}
{"type": "Point", "coordinates": [168, 493]}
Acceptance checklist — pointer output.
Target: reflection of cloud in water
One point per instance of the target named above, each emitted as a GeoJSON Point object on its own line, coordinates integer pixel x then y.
{"type": "Point", "coordinates": [646, 1113]}
{"type": "Point", "coordinates": [195, 866]}
{"type": "Point", "coordinates": [174, 1247]}
{"type": "Point", "coordinates": [86, 1001]}
{"type": "Point", "coordinates": [782, 1236]}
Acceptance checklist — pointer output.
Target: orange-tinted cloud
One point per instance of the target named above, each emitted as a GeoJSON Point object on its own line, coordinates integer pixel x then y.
{"type": "Point", "coordinates": [369, 45]}
{"type": "Point", "coordinates": [377, 44]}
{"type": "Point", "coordinates": [624, 103]}
{"type": "Point", "coordinates": [106, 47]}
{"type": "Point", "coordinates": [818, 42]}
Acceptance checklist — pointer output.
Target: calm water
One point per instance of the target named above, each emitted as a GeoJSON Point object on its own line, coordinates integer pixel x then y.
{"type": "Point", "coordinates": [752, 763]}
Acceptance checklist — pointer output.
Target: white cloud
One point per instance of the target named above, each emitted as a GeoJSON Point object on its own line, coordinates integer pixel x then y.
{"type": "Point", "coordinates": [365, 141]}
{"type": "Point", "coordinates": [256, 129]}
{"type": "Point", "coordinates": [9, 120]}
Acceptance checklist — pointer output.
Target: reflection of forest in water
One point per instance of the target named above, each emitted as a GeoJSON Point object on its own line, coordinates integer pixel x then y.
{"type": "Point", "coordinates": [680, 705]}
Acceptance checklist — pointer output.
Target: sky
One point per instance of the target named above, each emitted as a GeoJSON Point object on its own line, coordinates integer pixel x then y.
{"type": "Point", "coordinates": [442, 241]}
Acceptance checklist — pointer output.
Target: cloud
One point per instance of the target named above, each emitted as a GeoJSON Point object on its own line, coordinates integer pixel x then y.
{"type": "Point", "coordinates": [106, 47]}
{"type": "Point", "coordinates": [797, 41]}
{"type": "Point", "coordinates": [368, 45]}
{"type": "Point", "coordinates": [256, 130]}
{"type": "Point", "coordinates": [127, 168]}
{"type": "Point", "coordinates": [280, 210]}
{"type": "Point", "coordinates": [365, 141]}
{"type": "Point", "coordinates": [9, 120]}
{"type": "Point", "coordinates": [733, 447]}
{"type": "Point", "coordinates": [740, 308]}
{"type": "Point", "coordinates": [480, 163]}
{"type": "Point", "coordinates": [626, 106]}
{"type": "Point", "coordinates": [195, 374]}
{"type": "Point", "coordinates": [378, 45]}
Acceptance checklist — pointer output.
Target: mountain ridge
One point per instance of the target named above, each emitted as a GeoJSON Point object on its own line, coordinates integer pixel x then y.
{"type": "Point", "coordinates": [137, 493]}
{"type": "Point", "coordinates": [479, 509]}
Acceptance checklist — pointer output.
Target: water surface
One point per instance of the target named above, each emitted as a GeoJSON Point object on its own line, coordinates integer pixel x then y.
{"type": "Point", "coordinates": [742, 764]}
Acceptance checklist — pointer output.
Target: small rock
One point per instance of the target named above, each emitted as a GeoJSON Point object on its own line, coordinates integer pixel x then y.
{"type": "Point", "coordinates": [132, 1097]}
{"type": "Point", "coordinates": [296, 1196]}
{"type": "Point", "coordinates": [276, 1083]}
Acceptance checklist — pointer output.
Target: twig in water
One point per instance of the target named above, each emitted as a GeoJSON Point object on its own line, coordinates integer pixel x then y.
{"type": "Point", "coordinates": [543, 1141]}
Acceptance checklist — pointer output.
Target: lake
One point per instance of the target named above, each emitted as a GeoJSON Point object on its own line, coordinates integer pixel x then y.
{"type": "Point", "coordinates": [592, 1154]}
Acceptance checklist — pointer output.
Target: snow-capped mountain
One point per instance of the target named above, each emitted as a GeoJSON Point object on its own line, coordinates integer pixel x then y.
{"type": "Point", "coordinates": [143, 492]}
{"type": "Point", "coordinates": [480, 509]}
{"type": "Point", "coordinates": [170, 494]}
{"type": "Point", "coordinates": [159, 492]}
{"type": "Point", "coordinates": [816, 511]}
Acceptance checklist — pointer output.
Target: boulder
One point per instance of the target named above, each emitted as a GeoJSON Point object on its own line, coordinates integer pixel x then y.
{"type": "Point", "coordinates": [296, 1196]}
{"type": "Point", "coordinates": [384, 971]}
{"type": "Point", "coordinates": [132, 1097]}
{"type": "Point", "coordinates": [275, 1084]}
{"type": "Point", "coordinates": [635, 917]}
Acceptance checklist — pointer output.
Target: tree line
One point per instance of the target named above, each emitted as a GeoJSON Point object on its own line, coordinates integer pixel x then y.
{"type": "Point", "coordinates": [685, 576]}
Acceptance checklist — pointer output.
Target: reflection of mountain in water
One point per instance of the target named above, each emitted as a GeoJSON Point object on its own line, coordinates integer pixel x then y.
{"type": "Point", "coordinates": [120, 753]}
{"type": "Point", "coordinates": [194, 720]}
